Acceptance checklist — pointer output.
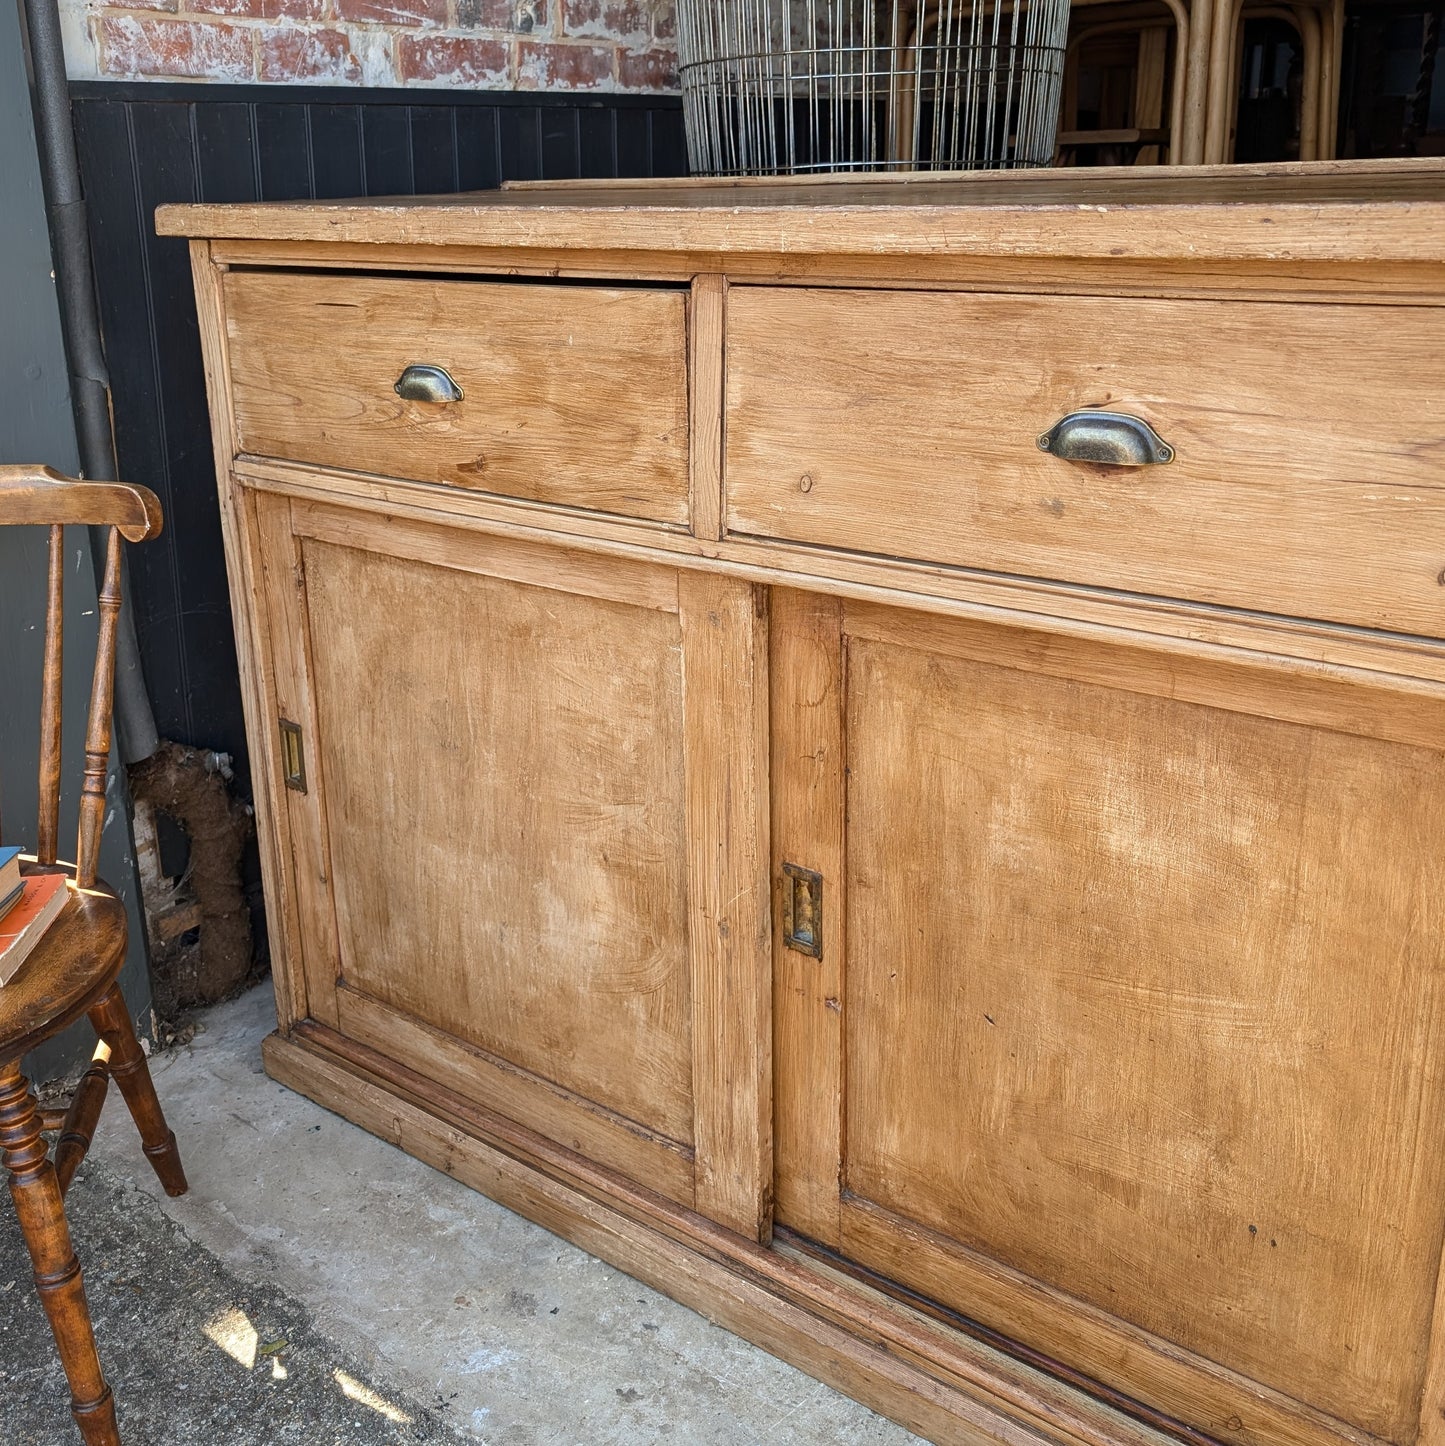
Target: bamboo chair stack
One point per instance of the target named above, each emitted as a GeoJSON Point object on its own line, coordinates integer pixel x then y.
{"type": "Point", "coordinates": [1207, 53]}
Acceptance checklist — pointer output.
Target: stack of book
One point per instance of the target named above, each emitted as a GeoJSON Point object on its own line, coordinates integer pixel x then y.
{"type": "Point", "coordinates": [28, 907]}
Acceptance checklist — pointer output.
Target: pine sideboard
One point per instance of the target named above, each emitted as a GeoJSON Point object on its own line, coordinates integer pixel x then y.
{"type": "Point", "coordinates": [873, 753]}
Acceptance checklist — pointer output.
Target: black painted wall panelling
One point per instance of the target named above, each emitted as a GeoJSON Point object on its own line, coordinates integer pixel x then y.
{"type": "Point", "coordinates": [144, 145]}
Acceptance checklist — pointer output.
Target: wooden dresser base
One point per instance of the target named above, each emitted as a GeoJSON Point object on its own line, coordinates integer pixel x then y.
{"type": "Point", "coordinates": [932, 1379]}
{"type": "Point", "coordinates": [715, 768]}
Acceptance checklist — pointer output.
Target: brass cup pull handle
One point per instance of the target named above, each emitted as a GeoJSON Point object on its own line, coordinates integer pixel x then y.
{"type": "Point", "coordinates": [1112, 438]}
{"type": "Point", "coordinates": [422, 383]}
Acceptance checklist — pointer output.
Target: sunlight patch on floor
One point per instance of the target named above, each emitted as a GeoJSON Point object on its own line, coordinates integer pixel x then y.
{"type": "Point", "coordinates": [233, 1332]}
{"type": "Point", "coordinates": [363, 1395]}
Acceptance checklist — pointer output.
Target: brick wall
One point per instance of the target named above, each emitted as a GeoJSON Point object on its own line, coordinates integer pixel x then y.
{"type": "Point", "coordinates": [599, 45]}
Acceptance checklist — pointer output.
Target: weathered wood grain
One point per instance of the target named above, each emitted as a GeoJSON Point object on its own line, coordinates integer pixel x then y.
{"type": "Point", "coordinates": [288, 694]}
{"type": "Point", "coordinates": [1123, 789]}
{"type": "Point", "coordinates": [1186, 214]}
{"type": "Point", "coordinates": [572, 395]}
{"type": "Point", "coordinates": [725, 668]}
{"type": "Point", "coordinates": [1119, 984]}
{"type": "Point", "coordinates": [906, 424]}
{"type": "Point", "coordinates": [706, 325]}
{"type": "Point", "coordinates": [507, 818]}
{"type": "Point", "coordinates": [1297, 646]}
{"type": "Point", "coordinates": [806, 677]}
{"type": "Point", "coordinates": [42, 496]}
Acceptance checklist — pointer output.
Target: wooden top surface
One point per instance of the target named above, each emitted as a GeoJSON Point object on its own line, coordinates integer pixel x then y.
{"type": "Point", "coordinates": [1326, 211]}
{"type": "Point", "coordinates": [74, 963]}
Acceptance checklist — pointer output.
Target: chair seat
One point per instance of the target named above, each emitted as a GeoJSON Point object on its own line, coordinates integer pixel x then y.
{"type": "Point", "coordinates": [75, 962]}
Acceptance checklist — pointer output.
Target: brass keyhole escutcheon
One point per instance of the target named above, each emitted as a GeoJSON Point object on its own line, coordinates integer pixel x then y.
{"type": "Point", "coordinates": [803, 910]}
{"type": "Point", "coordinates": [293, 756]}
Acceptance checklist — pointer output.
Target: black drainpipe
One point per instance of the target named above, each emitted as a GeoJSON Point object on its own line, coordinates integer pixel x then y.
{"type": "Point", "coordinates": [80, 325]}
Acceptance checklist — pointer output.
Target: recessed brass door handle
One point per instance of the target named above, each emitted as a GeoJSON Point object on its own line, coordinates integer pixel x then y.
{"type": "Point", "coordinates": [421, 383]}
{"type": "Point", "coordinates": [1112, 438]}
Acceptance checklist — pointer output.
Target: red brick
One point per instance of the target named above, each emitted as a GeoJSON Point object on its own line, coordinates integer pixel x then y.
{"type": "Point", "coordinates": [149, 5]}
{"type": "Point", "coordinates": [139, 45]}
{"type": "Point", "coordinates": [453, 60]}
{"type": "Point", "coordinates": [393, 12]}
{"type": "Point", "coordinates": [647, 69]}
{"type": "Point", "coordinates": [308, 55]}
{"type": "Point", "coordinates": [624, 20]}
{"type": "Point", "coordinates": [259, 9]}
{"type": "Point", "coordinates": [545, 65]}
{"type": "Point", "coordinates": [516, 15]}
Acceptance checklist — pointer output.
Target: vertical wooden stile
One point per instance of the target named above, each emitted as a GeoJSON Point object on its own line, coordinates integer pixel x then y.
{"type": "Point", "coordinates": [278, 572]}
{"type": "Point", "coordinates": [725, 722]}
{"type": "Point", "coordinates": [1432, 1398]}
{"type": "Point", "coordinates": [241, 576]}
{"type": "Point", "coordinates": [705, 341]}
{"type": "Point", "coordinates": [806, 676]}
{"type": "Point", "coordinates": [97, 728]}
{"type": "Point", "coordinates": [47, 839]}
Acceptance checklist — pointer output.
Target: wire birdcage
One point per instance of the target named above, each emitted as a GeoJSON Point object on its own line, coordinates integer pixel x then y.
{"type": "Point", "coordinates": [774, 87]}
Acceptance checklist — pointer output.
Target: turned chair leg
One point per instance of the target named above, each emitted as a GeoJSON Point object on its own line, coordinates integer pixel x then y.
{"type": "Point", "coordinates": [128, 1068]}
{"type": "Point", "coordinates": [57, 1272]}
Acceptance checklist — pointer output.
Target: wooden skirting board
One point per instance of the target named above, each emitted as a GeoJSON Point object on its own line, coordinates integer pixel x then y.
{"type": "Point", "coordinates": [934, 1380]}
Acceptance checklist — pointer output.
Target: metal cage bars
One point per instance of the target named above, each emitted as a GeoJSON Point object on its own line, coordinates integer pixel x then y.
{"type": "Point", "coordinates": [782, 86]}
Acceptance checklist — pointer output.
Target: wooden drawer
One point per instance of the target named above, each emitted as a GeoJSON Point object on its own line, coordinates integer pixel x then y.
{"type": "Point", "coordinates": [570, 394]}
{"type": "Point", "coordinates": [1309, 469]}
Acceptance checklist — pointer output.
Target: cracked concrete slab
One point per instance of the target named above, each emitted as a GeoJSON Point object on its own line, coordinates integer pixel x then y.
{"type": "Point", "coordinates": [476, 1324]}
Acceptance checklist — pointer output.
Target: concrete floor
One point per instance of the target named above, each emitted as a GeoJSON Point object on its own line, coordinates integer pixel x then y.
{"type": "Point", "coordinates": [317, 1286]}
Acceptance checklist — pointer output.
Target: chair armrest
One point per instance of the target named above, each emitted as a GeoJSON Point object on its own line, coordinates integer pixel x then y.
{"type": "Point", "coordinates": [41, 495]}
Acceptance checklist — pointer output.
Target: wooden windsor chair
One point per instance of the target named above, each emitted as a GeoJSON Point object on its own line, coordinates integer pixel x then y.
{"type": "Point", "coordinates": [74, 968]}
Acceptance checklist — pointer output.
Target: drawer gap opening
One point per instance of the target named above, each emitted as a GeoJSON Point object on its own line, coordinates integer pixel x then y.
{"type": "Point", "coordinates": [488, 278]}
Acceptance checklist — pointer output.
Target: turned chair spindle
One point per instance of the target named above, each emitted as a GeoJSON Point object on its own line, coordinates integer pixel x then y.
{"type": "Point", "coordinates": [74, 969]}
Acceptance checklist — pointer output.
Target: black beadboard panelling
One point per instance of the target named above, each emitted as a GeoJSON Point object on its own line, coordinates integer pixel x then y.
{"type": "Point", "coordinates": [144, 145]}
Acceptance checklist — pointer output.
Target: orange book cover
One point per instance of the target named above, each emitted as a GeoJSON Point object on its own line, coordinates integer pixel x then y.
{"type": "Point", "coordinates": [21, 928]}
